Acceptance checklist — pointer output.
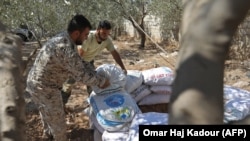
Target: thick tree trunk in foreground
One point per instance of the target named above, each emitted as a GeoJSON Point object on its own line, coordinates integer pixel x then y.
{"type": "Point", "coordinates": [207, 30]}
{"type": "Point", "coordinates": [12, 105]}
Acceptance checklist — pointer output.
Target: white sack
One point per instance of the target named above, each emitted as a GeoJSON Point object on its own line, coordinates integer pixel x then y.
{"type": "Point", "coordinates": [236, 103]}
{"type": "Point", "coordinates": [158, 76]}
{"type": "Point", "coordinates": [134, 80]}
{"type": "Point", "coordinates": [140, 92]}
{"type": "Point", "coordinates": [161, 89]}
{"type": "Point", "coordinates": [114, 136]}
{"type": "Point", "coordinates": [115, 111]}
{"type": "Point", "coordinates": [116, 77]}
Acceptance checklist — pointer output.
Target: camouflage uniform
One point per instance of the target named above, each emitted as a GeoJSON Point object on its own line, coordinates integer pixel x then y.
{"type": "Point", "coordinates": [57, 60]}
{"type": "Point", "coordinates": [68, 86]}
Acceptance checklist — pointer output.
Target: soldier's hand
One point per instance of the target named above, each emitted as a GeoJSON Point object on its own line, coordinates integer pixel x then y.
{"type": "Point", "coordinates": [105, 85]}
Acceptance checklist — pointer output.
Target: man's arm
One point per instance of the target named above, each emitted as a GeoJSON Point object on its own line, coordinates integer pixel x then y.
{"type": "Point", "coordinates": [118, 60]}
{"type": "Point", "coordinates": [79, 70]}
{"type": "Point", "coordinates": [80, 51]}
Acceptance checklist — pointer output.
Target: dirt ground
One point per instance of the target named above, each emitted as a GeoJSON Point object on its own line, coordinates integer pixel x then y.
{"type": "Point", "coordinates": [134, 59]}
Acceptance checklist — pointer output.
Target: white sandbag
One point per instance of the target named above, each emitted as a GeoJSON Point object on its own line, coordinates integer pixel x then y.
{"type": "Point", "coordinates": [231, 92]}
{"type": "Point", "coordinates": [116, 77]}
{"type": "Point", "coordinates": [108, 126]}
{"type": "Point", "coordinates": [114, 136]}
{"type": "Point", "coordinates": [140, 92]}
{"type": "Point", "coordinates": [236, 103]}
{"type": "Point", "coordinates": [158, 76]}
{"type": "Point", "coordinates": [112, 125]}
{"type": "Point", "coordinates": [94, 123]}
{"type": "Point", "coordinates": [154, 98]}
{"type": "Point", "coordinates": [236, 109]}
{"type": "Point", "coordinates": [115, 111]}
{"type": "Point", "coordinates": [161, 89]}
{"type": "Point", "coordinates": [134, 80]}
{"type": "Point", "coordinates": [150, 118]}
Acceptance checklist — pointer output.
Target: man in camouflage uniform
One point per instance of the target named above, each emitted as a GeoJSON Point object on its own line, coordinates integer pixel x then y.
{"type": "Point", "coordinates": [58, 60]}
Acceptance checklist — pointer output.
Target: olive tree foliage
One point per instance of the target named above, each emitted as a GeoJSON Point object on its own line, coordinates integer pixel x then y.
{"type": "Point", "coordinates": [135, 11]}
{"type": "Point", "coordinates": [43, 17]}
{"type": "Point", "coordinates": [47, 17]}
{"type": "Point", "coordinates": [169, 12]}
{"type": "Point", "coordinates": [97, 10]}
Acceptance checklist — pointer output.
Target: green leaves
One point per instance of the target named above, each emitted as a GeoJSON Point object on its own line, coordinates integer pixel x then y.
{"type": "Point", "coordinates": [47, 17]}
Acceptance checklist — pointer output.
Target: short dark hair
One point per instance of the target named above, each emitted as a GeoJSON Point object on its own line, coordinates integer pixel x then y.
{"type": "Point", "coordinates": [78, 22]}
{"type": "Point", "coordinates": [104, 24]}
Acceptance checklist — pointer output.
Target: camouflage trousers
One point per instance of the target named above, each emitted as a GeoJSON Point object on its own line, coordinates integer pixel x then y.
{"type": "Point", "coordinates": [50, 105]}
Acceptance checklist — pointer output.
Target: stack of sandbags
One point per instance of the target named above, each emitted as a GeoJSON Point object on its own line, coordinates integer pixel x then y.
{"type": "Point", "coordinates": [134, 85]}
{"type": "Point", "coordinates": [151, 86]}
{"type": "Point", "coordinates": [112, 109]}
{"type": "Point", "coordinates": [236, 103]}
{"type": "Point", "coordinates": [134, 80]}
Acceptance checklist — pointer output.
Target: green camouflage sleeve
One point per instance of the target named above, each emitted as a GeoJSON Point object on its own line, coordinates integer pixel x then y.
{"type": "Point", "coordinates": [79, 70]}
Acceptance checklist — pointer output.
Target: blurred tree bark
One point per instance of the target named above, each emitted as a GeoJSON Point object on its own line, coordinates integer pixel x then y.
{"type": "Point", "coordinates": [12, 104]}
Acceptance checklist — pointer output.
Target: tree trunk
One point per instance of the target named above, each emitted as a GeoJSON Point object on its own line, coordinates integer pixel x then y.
{"type": "Point", "coordinates": [115, 33]}
{"type": "Point", "coordinates": [12, 105]}
{"type": "Point", "coordinates": [207, 31]}
{"type": "Point", "coordinates": [143, 40]}
{"type": "Point", "coordinates": [140, 30]}
{"type": "Point", "coordinates": [142, 34]}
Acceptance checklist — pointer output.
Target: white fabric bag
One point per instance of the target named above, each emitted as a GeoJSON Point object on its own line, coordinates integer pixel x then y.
{"type": "Point", "coordinates": [116, 77]}
{"type": "Point", "coordinates": [161, 89]}
{"type": "Point", "coordinates": [134, 80]}
{"type": "Point", "coordinates": [158, 76]}
{"type": "Point", "coordinates": [140, 92]}
{"type": "Point", "coordinates": [236, 103]}
{"type": "Point", "coordinates": [114, 136]}
{"type": "Point", "coordinates": [114, 111]}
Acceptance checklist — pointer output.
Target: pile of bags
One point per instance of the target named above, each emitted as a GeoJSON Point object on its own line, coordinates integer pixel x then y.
{"type": "Point", "coordinates": [153, 86]}
{"type": "Point", "coordinates": [112, 108]}
{"type": "Point", "coordinates": [236, 103]}
{"type": "Point", "coordinates": [114, 111]}
{"type": "Point", "coordinates": [149, 87]}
